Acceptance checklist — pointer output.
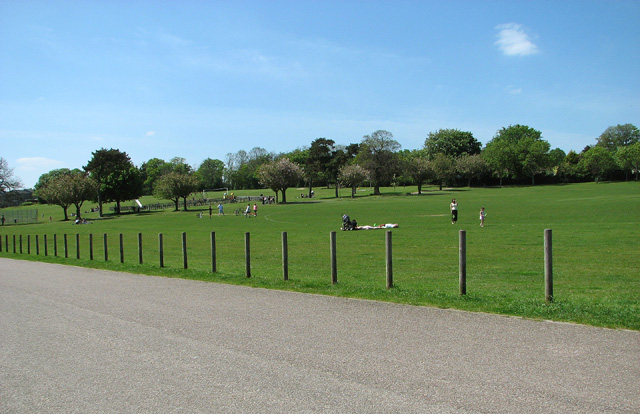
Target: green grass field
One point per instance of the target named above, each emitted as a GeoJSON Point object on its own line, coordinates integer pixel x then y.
{"type": "Point", "coordinates": [595, 247]}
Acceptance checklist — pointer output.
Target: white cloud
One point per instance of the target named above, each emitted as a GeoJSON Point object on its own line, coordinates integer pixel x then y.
{"type": "Point", "coordinates": [513, 90]}
{"type": "Point", "coordinates": [151, 133]}
{"type": "Point", "coordinates": [513, 41]}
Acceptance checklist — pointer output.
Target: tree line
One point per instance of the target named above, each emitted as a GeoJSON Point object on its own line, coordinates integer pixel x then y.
{"type": "Point", "coordinates": [515, 155]}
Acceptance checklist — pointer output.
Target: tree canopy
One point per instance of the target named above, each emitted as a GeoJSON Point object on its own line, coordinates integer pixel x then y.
{"type": "Point", "coordinates": [451, 142]}
{"type": "Point", "coordinates": [378, 156]}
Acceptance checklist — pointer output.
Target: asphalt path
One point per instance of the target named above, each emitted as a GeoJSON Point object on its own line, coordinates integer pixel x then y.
{"type": "Point", "coordinates": [75, 340]}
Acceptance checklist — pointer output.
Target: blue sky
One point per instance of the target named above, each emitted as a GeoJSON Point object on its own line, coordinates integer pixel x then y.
{"type": "Point", "coordinates": [201, 79]}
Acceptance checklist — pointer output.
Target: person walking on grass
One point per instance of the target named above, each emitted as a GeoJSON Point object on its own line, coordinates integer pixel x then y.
{"type": "Point", "coordinates": [454, 211]}
{"type": "Point", "coordinates": [220, 210]}
{"type": "Point", "coordinates": [483, 215]}
{"type": "Point", "coordinates": [255, 209]}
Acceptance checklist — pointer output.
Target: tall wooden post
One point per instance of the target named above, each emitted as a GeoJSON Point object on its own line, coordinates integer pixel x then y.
{"type": "Point", "coordinates": [389, 259]}
{"type": "Point", "coordinates": [140, 248]}
{"type": "Point", "coordinates": [37, 246]}
{"type": "Point", "coordinates": [28, 244]}
{"type": "Point", "coordinates": [21, 244]}
{"type": "Point", "coordinates": [285, 256]}
{"type": "Point", "coordinates": [548, 267]}
{"type": "Point", "coordinates": [77, 246]}
{"type": "Point", "coordinates": [161, 249]}
{"type": "Point", "coordinates": [106, 247]}
{"type": "Point", "coordinates": [462, 256]}
{"type": "Point", "coordinates": [65, 242]}
{"type": "Point", "coordinates": [334, 260]}
{"type": "Point", "coordinates": [213, 252]}
{"type": "Point", "coordinates": [55, 245]}
{"type": "Point", "coordinates": [121, 249]}
{"type": "Point", "coordinates": [44, 241]}
{"type": "Point", "coordinates": [90, 246]}
{"type": "Point", "coordinates": [247, 254]}
{"type": "Point", "coordinates": [184, 250]}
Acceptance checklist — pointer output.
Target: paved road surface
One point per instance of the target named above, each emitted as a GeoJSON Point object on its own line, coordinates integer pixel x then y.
{"type": "Point", "coordinates": [76, 340]}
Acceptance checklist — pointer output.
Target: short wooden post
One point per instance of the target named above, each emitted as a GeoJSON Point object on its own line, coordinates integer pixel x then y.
{"type": "Point", "coordinates": [55, 245]}
{"type": "Point", "coordinates": [14, 243]}
{"type": "Point", "coordinates": [161, 249]}
{"type": "Point", "coordinates": [105, 247]}
{"type": "Point", "coordinates": [21, 244]}
{"type": "Point", "coordinates": [37, 246]}
{"type": "Point", "coordinates": [548, 267]}
{"type": "Point", "coordinates": [462, 255]}
{"type": "Point", "coordinates": [247, 253]}
{"type": "Point", "coordinates": [44, 242]}
{"type": "Point", "coordinates": [0, 243]}
{"type": "Point", "coordinates": [389, 259]}
{"type": "Point", "coordinates": [6, 243]}
{"type": "Point", "coordinates": [285, 256]}
{"type": "Point", "coordinates": [77, 246]}
{"type": "Point", "coordinates": [90, 246]}
{"type": "Point", "coordinates": [28, 244]}
{"type": "Point", "coordinates": [121, 249]}
{"type": "Point", "coordinates": [140, 248]}
{"type": "Point", "coordinates": [213, 252]}
{"type": "Point", "coordinates": [66, 245]}
{"type": "Point", "coordinates": [334, 261]}
{"type": "Point", "coordinates": [184, 249]}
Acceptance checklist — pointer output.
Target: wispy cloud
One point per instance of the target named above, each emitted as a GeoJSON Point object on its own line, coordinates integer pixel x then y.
{"type": "Point", "coordinates": [513, 41]}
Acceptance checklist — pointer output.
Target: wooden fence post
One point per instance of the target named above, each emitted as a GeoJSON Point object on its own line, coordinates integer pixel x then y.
{"type": "Point", "coordinates": [140, 248]}
{"type": "Point", "coordinates": [247, 253]}
{"type": "Point", "coordinates": [90, 246]}
{"type": "Point", "coordinates": [121, 249]}
{"type": "Point", "coordinates": [285, 256]}
{"type": "Point", "coordinates": [161, 249]}
{"type": "Point", "coordinates": [77, 246]}
{"type": "Point", "coordinates": [55, 244]}
{"type": "Point", "coordinates": [334, 261]}
{"type": "Point", "coordinates": [213, 252]}
{"type": "Point", "coordinates": [106, 247]}
{"type": "Point", "coordinates": [14, 243]}
{"type": "Point", "coordinates": [21, 244]}
{"type": "Point", "coordinates": [44, 241]}
{"type": "Point", "coordinates": [6, 243]}
{"type": "Point", "coordinates": [66, 245]}
{"type": "Point", "coordinates": [28, 244]}
{"type": "Point", "coordinates": [389, 259]}
{"type": "Point", "coordinates": [462, 256]}
{"type": "Point", "coordinates": [37, 246]}
{"type": "Point", "coordinates": [184, 249]}
{"type": "Point", "coordinates": [548, 267]}
{"type": "Point", "coordinates": [0, 243]}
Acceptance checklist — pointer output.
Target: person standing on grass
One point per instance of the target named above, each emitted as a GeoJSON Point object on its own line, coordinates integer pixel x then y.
{"type": "Point", "coordinates": [247, 212]}
{"type": "Point", "coordinates": [454, 211]}
{"type": "Point", "coordinates": [210, 212]}
{"type": "Point", "coordinates": [483, 215]}
{"type": "Point", "coordinates": [220, 210]}
{"type": "Point", "coordinates": [255, 209]}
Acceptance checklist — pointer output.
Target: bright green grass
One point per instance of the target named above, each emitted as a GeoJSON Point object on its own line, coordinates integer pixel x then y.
{"type": "Point", "coordinates": [595, 247]}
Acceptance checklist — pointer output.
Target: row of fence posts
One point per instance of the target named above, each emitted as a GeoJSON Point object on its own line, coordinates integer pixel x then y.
{"type": "Point", "coordinates": [462, 273]}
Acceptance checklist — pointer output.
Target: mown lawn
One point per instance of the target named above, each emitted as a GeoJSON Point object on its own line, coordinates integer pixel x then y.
{"type": "Point", "coordinates": [595, 247]}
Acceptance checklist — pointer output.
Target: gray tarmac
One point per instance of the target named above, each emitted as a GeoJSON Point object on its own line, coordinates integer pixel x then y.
{"type": "Point", "coordinates": [75, 340]}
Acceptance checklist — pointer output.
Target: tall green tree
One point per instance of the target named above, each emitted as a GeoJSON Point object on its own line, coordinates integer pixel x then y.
{"type": "Point", "coordinates": [629, 158]}
{"type": "Point", "coordinates": [210, 173]}
{"type": "Point", "coordinates": [451, 142]}
{"type": "Point", "coordinates": [318, 163]}
{"type": "Point", "coordinates": [123, 184]}
{"type": "Point", "coordinates": [471, 166]}
{"type": "Point", "coordinates": [444, 169]}
{"type": "Point", "coordinates": [378, 156]}
{"type": "Point", "coordinates": [7, 181]}
{"type": "Point", "coordinates": [45, 178]}
{"type": "Point", "coordinates": [64, 189]}
{"type": "Point", "coordinates": [152, 170]}
{"type": "Point", "coordinates": [618, 136]}
{"type": "Point", "coordinates": [176, 185]}
{"type": "Point", "coordinates": [599, 161]}
{"type": "Point", "coordinates": [104, 167]}
{"type": "Point", "coordinates": [517, 151]}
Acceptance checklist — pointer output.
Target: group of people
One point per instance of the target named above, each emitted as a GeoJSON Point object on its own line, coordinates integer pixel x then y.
{"type": "Point", "coordinates": [454, 213]}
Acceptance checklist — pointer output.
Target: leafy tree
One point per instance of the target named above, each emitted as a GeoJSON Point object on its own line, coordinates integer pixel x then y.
{"type": "Point", "coordinates": [104, 167]}
{"type": "Point", "coordinates": [123, 184]}
{"type": "Point", "coordinates": [451, 142]}
{"type": "Point", "coordinates": [517, 151]}
{"type": "Point", "coordinates": [571, 169]}
{"type": "Point", "coordinates": [341, 156]}
{"type": "Point", "coordinates": [176, 185]}
{"type": "Point", "coordinates": [45, 179]}
{"type": "Point", "coordinates": [471, 166]}
{"type": "Point", "coordinates": [415, 167]}
{"type": "Point", "coordinates": [151, 171]}
{"type": "Point", "coordinates": [280, 175]}
{"type": "Point", "coordinates": [616, 137]}
{"type": "Point", "coordinates": [210, 174]}
{"type": "Point", "coordinates": [599, 161]}
{"type": "Point", "coordinates": [7, 181]}
{"type": "Point", "coordinates": [444, 168]}
{"type": "Point", "coordinates": [318, 164]}
{"type": "Point", "coordinates": [377, 155]}
{"type": "Point", "coordinates": [64, 189]}
{"type": "Point", "coordinates": [352, 176]}
{"type": "Point", "coordinates": [629, 158]}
